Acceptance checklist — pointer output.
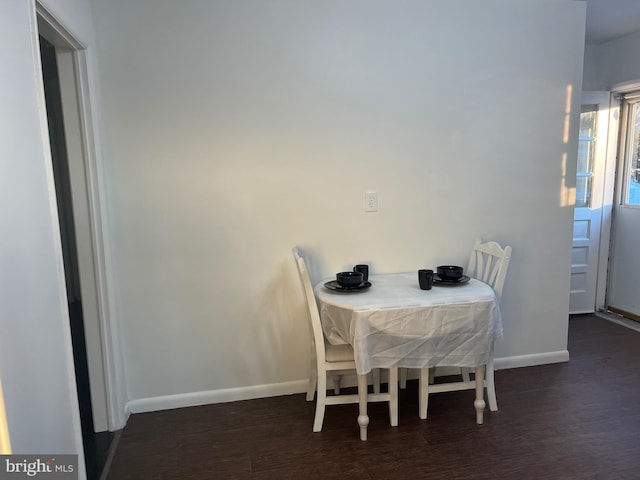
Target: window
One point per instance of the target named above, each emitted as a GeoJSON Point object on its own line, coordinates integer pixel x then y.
{"type": "Point", "coordinates": [631, 148]}
{"type": "Point", "coordinates": [586, 151]}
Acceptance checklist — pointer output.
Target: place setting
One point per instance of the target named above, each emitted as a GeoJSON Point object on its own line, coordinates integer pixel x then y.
{"type": "Point", "coordinates": [349, 282]}
{"type": "Point", "coordinates": [445, 275]}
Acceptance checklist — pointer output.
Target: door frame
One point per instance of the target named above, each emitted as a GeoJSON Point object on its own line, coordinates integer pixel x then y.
{"type": "Point", "coordinates": [609, 195]}
{"type": "Point", "coordinates": [106, 369]}
{"type": "Point", "coordinates": [617, 93]}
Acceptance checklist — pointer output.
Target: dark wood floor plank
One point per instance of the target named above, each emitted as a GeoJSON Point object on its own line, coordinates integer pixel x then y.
{"type": "Point", "coordinates": [576, 421]}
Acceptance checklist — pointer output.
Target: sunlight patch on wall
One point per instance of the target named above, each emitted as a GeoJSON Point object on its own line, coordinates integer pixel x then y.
{"type": "Point", "coordinates": [567, 115]}
{"type": "Point", "coordinates": [567, 193]}
{"type": "Point", "coordinates": [5, 444]}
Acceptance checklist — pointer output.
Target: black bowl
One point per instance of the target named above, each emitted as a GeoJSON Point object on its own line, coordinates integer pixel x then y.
{"type": "Point", "coordinates": [349, 279]}
{"type": "Point", "coordinates": [450, 272]}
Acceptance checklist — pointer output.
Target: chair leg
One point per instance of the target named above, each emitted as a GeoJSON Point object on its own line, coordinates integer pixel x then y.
{"type": "Point", "coordinates": [479, 403]}
{"type": "Point", "coordinates": [491, 387]}
{"type": "Point", "coordinates": [465, 374]}
{"type": "Point", "coordinates": [375, 373]}
{"type": "Point", "coordinates": [425, 374]}
{"type": "Point", "coordinates": [336, 383]}
{"type": "Point", "coordinates": [393, 396]}
{"type": "Point", "coordinates": [403, 377]}
{"type": "Point", "coordinates": [320, 403]}
{"type": "Point", "coordinates": [313, 377]}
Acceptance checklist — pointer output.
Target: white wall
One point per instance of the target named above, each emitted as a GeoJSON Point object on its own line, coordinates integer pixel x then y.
{"type": "Point", "coordinates": [590, 79]}
{"type": "Point", "coordinates": [36, 364]}
{"type": "Point", "coordinates": [613, 63]}
{"type": "Point", "coordinates": [235, 130]}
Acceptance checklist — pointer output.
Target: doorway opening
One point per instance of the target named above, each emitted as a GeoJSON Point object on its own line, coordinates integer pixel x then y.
{"type": "Point", "coordinates": [605, 264]}
{"type": "Point", "coordinates": [96, 445]}
{"type": "Point", "coordinates": [624, 265]}
{"type": "Point", "coordinates": [593, 205]}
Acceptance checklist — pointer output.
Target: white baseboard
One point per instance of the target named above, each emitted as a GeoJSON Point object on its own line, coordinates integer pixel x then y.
{"type": "Point", "coordinates": [531, 360]}
{"type": "Point", "coordinates": [194, 399]}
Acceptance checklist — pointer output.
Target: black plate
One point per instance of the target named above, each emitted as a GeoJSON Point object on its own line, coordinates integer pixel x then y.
{"type": "Point", "coordinates": [336, 287]}
{"type": "Point", "coordinates": [438, 281]}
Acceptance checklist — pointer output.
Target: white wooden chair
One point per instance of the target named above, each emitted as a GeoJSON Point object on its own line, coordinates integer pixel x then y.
{"type": "Point", "coordinates": [488, 263]}
{"type": "Point", "coordinates": [335, 360]}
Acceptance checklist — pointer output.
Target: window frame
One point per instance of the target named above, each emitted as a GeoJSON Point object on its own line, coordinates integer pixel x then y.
{"type": "Point", "coordinates": [629, 103]}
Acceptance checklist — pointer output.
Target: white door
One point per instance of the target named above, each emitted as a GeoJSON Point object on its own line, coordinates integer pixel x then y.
{"type": "Point", "coordinates": [591, 213]}
{"type": "Point", "coordinates": [624, 277]}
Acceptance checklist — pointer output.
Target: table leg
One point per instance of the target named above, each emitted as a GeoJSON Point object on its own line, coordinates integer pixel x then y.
{"type": "Point", "coordinates": [363, 418]}
{"type": "Point", "coordinates": [393, 396]}
{"type": "Point", "coordinates": [423, 385]}
{"type": "Point", "coordinates": [479, 403]}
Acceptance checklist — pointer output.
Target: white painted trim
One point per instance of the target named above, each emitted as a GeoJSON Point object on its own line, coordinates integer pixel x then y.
{"type": "Point", "coordinates": [194, 399]}
{"type": "Point", "coordinates": [608, 202]}
{"type": "Point", "coordinates": [112, 365]}
{"type": "Point", "coordinates": [64, 310]}
{"type": "Point", "coordinates": [127, 413]}
{"type": "Point", "coordinates": [52, 27]}
{"type": "Point", "coordinates": [626, 86]}
{"type": "Point", "coordinates": [531, 360]}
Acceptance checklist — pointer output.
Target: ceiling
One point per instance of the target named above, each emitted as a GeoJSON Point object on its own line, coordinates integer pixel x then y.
{"type": "Point", "coordinates": [610, 19]}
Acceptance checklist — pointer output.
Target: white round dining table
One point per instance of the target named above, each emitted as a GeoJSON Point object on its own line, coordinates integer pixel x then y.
{"type": "Point", "coordinates": [393, 323]}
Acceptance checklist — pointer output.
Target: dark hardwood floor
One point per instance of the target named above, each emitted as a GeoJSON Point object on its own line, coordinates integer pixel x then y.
{"type": "Point", "coordinates": [576, 420]}
{"type": "Point", "coordinates": [97, 445]}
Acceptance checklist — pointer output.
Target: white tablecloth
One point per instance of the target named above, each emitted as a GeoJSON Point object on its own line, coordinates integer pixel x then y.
{"type": "Point", "coordinates": [394, 323]}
